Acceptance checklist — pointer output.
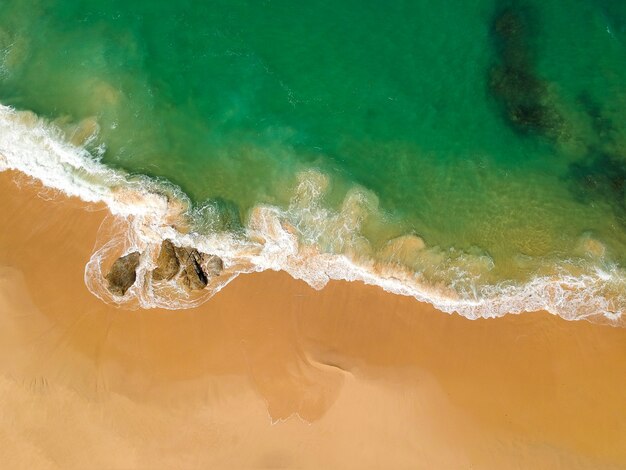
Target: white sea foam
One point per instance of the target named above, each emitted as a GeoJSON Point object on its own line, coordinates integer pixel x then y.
{"type": "Point", "coordinates": [307, 240]}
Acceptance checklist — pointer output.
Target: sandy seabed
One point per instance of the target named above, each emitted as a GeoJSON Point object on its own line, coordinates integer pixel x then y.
{"type": "Point", "coordinates": [273, 374]}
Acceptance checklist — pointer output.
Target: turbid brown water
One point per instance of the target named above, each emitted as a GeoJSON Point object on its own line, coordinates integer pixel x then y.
{"type": "Point", "coordinates": [272, 374]}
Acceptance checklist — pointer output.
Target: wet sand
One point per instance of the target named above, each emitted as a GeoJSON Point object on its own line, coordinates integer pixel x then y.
{"type": "Point", "coordinates": [272, 374]}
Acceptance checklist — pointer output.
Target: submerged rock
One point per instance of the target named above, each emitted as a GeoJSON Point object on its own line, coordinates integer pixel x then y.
{"type": "Point", "coordinates": [167, 262]}
{"type": "Point", "coordinates": [123, 273]}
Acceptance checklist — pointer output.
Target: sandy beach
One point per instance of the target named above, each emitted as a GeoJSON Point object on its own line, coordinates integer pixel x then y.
{"type": "Point", "coordinates": [273, 374]}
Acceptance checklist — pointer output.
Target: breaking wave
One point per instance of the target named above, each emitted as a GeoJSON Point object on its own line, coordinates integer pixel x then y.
{"type": "Point", "coordinates": [307, 240]}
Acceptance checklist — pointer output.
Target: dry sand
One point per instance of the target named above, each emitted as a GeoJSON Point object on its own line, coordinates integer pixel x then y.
{"type": "Point", "coordinates": [272, 374]}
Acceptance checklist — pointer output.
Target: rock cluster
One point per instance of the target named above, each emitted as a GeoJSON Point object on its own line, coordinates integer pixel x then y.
{"type": "Point", "coordinates": [192, 267]}
{"type": "Point", "coordinates": [188, 266]}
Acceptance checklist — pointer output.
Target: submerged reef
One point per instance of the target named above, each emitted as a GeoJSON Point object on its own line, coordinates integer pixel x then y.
{"type": "Point", "coordinates": [513, 81]}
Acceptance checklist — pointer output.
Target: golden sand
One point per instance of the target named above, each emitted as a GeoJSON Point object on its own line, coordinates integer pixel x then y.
{"type": "Point", "coordinates": [272, 374]}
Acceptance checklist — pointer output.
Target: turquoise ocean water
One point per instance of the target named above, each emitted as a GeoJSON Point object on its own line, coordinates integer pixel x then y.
{"type": "Point", "coordinates": [473, 152]}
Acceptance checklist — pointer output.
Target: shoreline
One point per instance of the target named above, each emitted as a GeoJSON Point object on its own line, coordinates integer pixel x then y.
{"type": "Point", "coordinates": [584, 287]}
{"type": "Point", "coordinates": [271, 372]}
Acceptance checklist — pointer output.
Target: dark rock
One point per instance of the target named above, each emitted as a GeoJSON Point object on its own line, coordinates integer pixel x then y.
{"type": "Point", "coordinates": [193, 277]}
{"type": "Point", "coordinates": [123, 273]}
{"type": "Point", "coordinates": [197, 267]}
{"type": "Point", "coordinates": [185, 255]}
{"type": "Point", "coordinates": [167, 262]}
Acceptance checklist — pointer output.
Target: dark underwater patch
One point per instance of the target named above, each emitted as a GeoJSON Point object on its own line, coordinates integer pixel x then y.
{"type": "Point", "coordinates": [513, 82]}
{"type": "Point", "coordinates": [602, 126]}
{"type": "Point", "coordinates": [601, 175]}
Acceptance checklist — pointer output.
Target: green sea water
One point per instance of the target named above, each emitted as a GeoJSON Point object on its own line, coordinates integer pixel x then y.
{"type": "Point", "coordinates": [493, 129]}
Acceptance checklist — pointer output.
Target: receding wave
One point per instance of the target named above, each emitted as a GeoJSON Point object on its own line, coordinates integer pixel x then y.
{"type": "Point", "coordinates": [307, 240]}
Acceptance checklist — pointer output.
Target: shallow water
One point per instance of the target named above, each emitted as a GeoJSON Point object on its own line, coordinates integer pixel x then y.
{"type": "Point", "coordinates": [492, 131]}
